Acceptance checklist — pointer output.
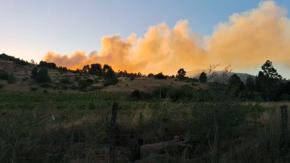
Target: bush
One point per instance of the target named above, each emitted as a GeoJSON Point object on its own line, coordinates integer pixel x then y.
{"type": "Point", "coordinates": [182, 93]}
{"type": "Point", "coordinates": [3, 75]}
{"type": "Point", "coordinates": [161, 92]}
{"type": "Point", "coordinates": [65, 81]}
{"type": "Point", "coordinates": [45, 85]}
{"type": "Point", "coordinates": [136, 94]}
{"type": "Point", "coordinates": [40, 76]}
{"type": "Point", "coordinates": [84, 83]}
{"type": "Point", "coordinates": [11, 78]}
{"type": "Point", "coordinates": [160, 76]}
{"type": "Point", "coordinates": [33, 89]}
{"type": "Point", "coordinates": [203, 77]}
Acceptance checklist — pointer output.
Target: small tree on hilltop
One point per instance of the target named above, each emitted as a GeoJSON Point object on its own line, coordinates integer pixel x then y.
{"type": "Point", "coordinates": [181, 74]}
{"type": "Point", "coordinates": [203, 77]}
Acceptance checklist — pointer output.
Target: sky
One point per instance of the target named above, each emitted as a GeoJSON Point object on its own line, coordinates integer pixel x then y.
{"type": "Point", "coordinates": [31, 28]}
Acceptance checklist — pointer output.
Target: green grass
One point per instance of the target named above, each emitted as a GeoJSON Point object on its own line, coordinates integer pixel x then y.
{"type": "Point", "coordinates": [73, 127]}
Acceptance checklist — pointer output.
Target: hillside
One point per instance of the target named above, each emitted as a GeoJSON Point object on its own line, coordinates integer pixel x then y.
{"type": "Point", "coordinates": [73, 81]}
{"type": "Point", "coordinates": [51, 114]}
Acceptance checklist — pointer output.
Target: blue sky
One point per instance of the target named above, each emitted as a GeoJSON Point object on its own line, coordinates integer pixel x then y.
{"type": "Point", "coordinates": [30, 28]}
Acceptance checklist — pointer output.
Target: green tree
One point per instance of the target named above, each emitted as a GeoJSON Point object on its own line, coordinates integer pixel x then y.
{"type": "Point", "coordinates": [181, 74]}
{"type": "Point", "coordinates": [110, 77]}
{"type": "Point", "coordinates": [268, 81]}
{"type": "Point", "coordinates": [203, 77]}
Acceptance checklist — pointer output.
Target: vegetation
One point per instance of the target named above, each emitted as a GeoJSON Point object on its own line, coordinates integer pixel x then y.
{"type": "Point", "coordinates": [110, 77]}
{"type": "Point", "coordinates": [161, 118]}
{"type": "Point", "coordinates": [41, 75]}
{"type": "Point", "coordinates": [181, 74]}
{"type": "Point", "coordinates": [203, 77]}
{"type": "Point", "coordinates": [160, 76]}
{"type": "Point", "coordinates": [13, 59]}
{"type": "Point", "coordinates": [9, 77]}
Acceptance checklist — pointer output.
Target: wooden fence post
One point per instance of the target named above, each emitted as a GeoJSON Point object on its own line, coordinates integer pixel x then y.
{"type": "Point", "coordinates": [112, 138]}
{"type": "Point", "coordinates": [284, 145]}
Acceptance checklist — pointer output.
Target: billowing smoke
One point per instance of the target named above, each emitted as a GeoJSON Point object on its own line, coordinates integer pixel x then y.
{"type": "Point", "coordinates": [247, 40]}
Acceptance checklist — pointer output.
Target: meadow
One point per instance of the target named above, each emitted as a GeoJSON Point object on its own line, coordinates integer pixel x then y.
{"type": "Point", "coordinates": [74, 126]}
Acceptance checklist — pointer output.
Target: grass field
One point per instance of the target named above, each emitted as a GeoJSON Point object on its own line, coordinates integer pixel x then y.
{"type": "Point", "coordinates": [73, 127]}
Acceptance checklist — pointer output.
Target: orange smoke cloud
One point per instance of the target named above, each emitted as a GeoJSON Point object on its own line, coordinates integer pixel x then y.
{"type": "Point", "coordinates": [247, 40]}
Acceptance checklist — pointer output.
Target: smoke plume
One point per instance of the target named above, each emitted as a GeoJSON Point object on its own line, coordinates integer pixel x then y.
{"type": "Point", "coordinates": [245, 41]}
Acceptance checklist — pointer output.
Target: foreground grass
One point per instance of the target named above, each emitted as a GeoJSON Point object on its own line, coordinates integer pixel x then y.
{"type": "Point", "coordinates": [73, 127]}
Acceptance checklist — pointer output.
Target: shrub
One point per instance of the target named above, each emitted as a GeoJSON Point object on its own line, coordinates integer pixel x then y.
{"type": "Point", "coordinates": [65, 81]}
{"type": "Point", "coordinates": [160, 76]}
{"type": "Point", "coordinates": [11, 78]}
{"type": "Point", "coordinates": [136, 94]}
{"type": "Point", "coordinates": [33, 89]}
{"type": "Point", "coordinates": [40, 76]}
{"type": "Point", "coordinates": [182, 93]}
{"type": "Point", "coordinates": [45, 85]}
{"type": "Point", "coordinates": [161, 92]}
{"type": "Point", "coordinates": [84, 83]}
{"type": "Point", "coordinates": [3, 75]}
{"type": "Point", "coordinates": [203, 77]}
{"type": "Point", "coordinates": [92, 106]}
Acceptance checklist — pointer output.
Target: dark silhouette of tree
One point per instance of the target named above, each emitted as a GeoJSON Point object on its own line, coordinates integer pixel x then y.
{"type": "Point", "coordinates": [181, 74]}
{"type": "Point", "coordinates": [47, 65]}
{"type": "Point", "coordinates": [270, 72]}
{"type": "Point", "coordinates": [160, 76]}
{"type": "Point", "coordinates": [250, 86]}
{"type": "Point", "coordinates": [250, 83]}
{"type": "Point", "coordinates": [268, 82]}
{"type": "Point", "coordinates": [110, 77]}
{"type": "Point", "coordinates": [95, 69]}
{"type": "Point", "coordinates": [203, 77]}
{"type": "Point", "coordinates": [86, 69]}
{"type": "Point", "coordinates": [236, 83]}
{"type": "Point", "coordinates": [150, 75]}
